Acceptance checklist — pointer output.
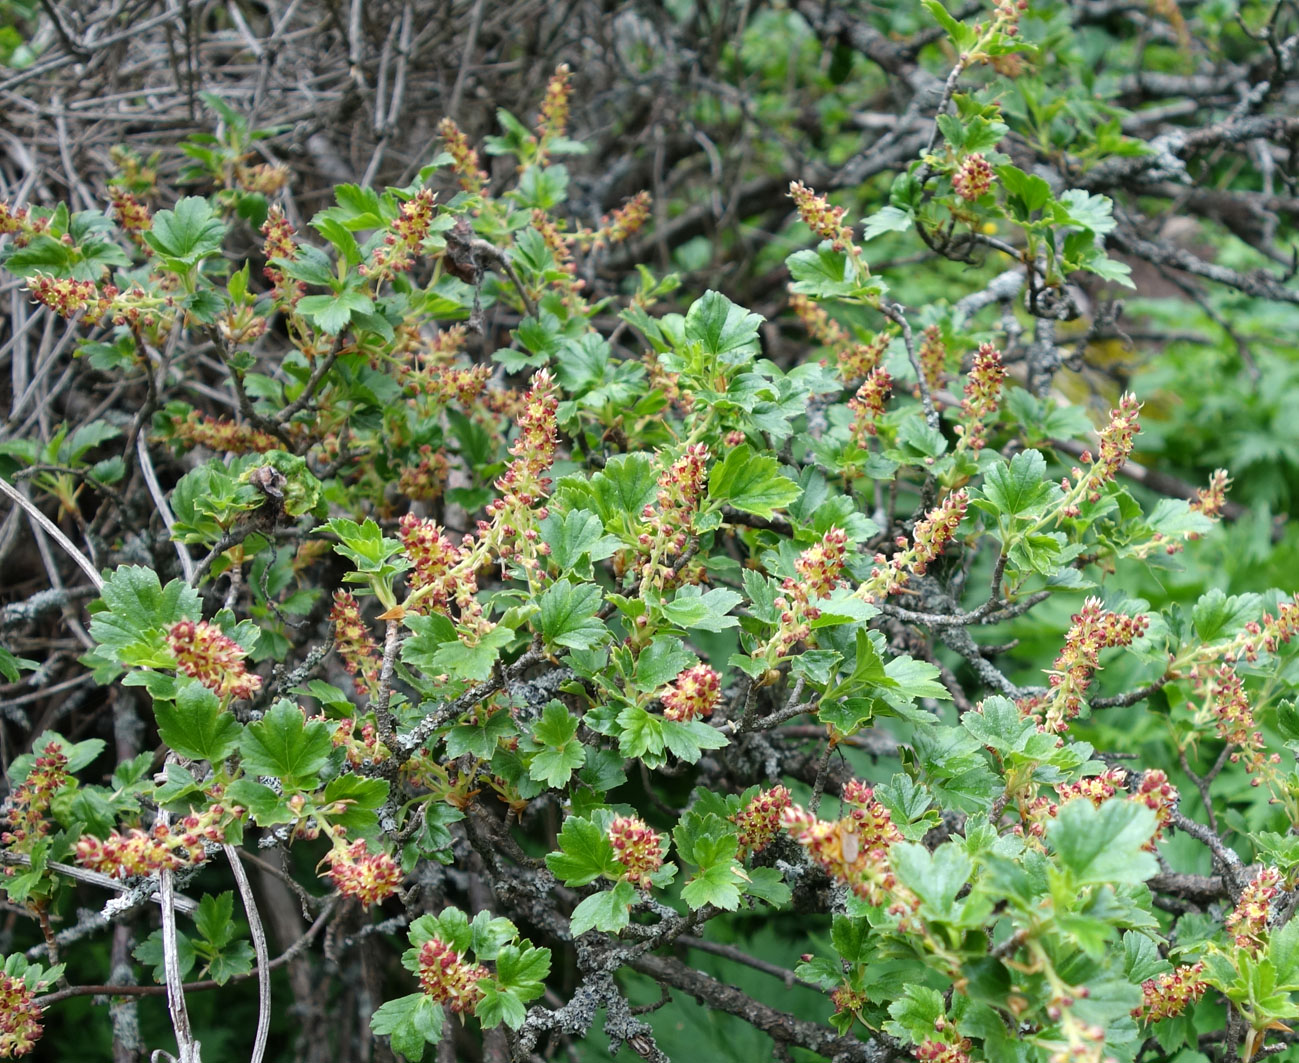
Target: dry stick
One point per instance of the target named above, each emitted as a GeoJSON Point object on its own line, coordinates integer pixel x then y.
{"type": "Point", "coordinates": [52, 529]}
{"type": "Point", "coordinates": [263, 955]}
{"type": "Point", "coordinates": [92, 878]}
{"type": "Point", "coordinates": [190, 987]}
{"type": "Point", "coordinates": [471, 42]}
{"type": "Point", "coordinates": [188, 1048]}
{"type": "Point", "coordinates": [164, 510]}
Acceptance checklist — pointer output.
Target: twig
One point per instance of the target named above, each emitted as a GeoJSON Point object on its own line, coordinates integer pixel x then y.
{"type": "Point", "coordinates": [263, 954]}
{"type": "Point", "coordinates": [188, 1048]}
{"type": "Point", "coordinates": [52, 530]}
{"type": "Point", "coordinates": [164, 510]}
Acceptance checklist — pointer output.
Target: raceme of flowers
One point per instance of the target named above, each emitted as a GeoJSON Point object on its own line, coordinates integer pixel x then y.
{"type": "Point", "coordinates": [205, 653]}
{"type": "Point", "coordinates": [637, 847]}
{"type": "Point", "coordinates": [445, 976]}
{"type": "Point", "coordinates": [20, 1017]}
{"type": "Point", "coordinates": [365, 876]}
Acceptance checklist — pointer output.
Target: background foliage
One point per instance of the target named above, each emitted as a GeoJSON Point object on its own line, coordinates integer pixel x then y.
{"type": "Point", "coordinates": [674, 499]}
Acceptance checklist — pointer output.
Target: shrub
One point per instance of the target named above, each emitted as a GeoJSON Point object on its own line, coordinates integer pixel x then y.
{"type": "Point", "coordinates": [545, 661]}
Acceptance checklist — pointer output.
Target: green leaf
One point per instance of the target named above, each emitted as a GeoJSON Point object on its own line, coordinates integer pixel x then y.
{"type": "Point", "coordinates": [133, 611]}
{"type": "Point", "coordinates": [480, 738]}
{"type": "Point", "coordinates": [1018, 488]}
{"type": "Point", "coordinates": [661, 662]}
{"type": "Point", "coordinates": [411, 1022]}
{"type": "Point", "coordinates": [472, 662]}
{"type": "Point", "coordinates": [751, 482]}
{"type": "Point", "coordinates": [886, 220]}
{"type": "Point", "coordinates": [563, 753]}
{"type": "Point", "coordinates": [522, 969]}
{"type": "Point", "coordinates": [285, 746]}
{"type": "Point", "coordinates": [723, 329]}
{"type": "Point", "coordinates": [1216, 616]}
{"type": "Point", "coordinates": [824, 273]}
{"type": "Point", "coordinates": [191, 232]}
{"type": "Point", "coordinates": [768, 884]}
{"type": "Point", "coordinates": [585, 853]}
{"type": "Point", "coordinates": [214, 918]}
{"type": "Point", "coordinates": [935, 877]}
{"type": "Point", "coordinates": [1032, 192]}
{"type": "Point", "coordinates": [575, 536]}
{"type": "Point", "coordinates": [607, 911]}
{"type": "Point", "coordinates": [567, 616]}
{"type": "Point", "coordinates": [1104, 844]}
{"type": "Point", "coordinates": [194, 725]}
{"type": "Point", "coordinates": [718, 880]}
{"type": "Point", "coordinates": [692, 608]}
{"type": "Point", "coordinates": [150, 951]}
{"type": "Point", "coordinates": [333, 313]}
{"type": "Point", "coordinates": [266, 806]}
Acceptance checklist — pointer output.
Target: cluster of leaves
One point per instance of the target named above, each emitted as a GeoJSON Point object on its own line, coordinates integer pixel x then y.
{"type": "Point", "coordinates": [620, 588]}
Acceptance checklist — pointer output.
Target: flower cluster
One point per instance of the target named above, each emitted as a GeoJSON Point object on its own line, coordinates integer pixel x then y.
{"type": "Point", "coordinates": [624, 222]}
{"type": "Point", "coordinates": [637, 848]}
{"type": "Point", "coordinates": [213, 658]}
{"type": "Point", "coordinates": [566, 280]}
{"type": "Point", "coordinates": [552, 122]}
{"type": "Point", "coordinates": [426, 479]}
{"type": "Point", "coordinates": [1160, 796]}
{"type": "Point", "coordinates": [199, 430]}
{"type": "Point", "coordinates": [1008, 13]}
{"type": "Point", "coordinates": [264, 178]}
{"type": "Point", "coordinates": [397, 251]}
{"type": "Point", "coordinates": [1093, 629]}
{"type": "Point", "coordinates": [464, 160]}
{"type": "Point", "coordinates": [943, 1051]}
{"type": "Point", "coordinates": [820, 565]}
{"type": "Point", "coordinates": [163, 848]}
{"type": "Point", "coordinates": [868, 404]}
{"type": "Point", "coordinates": [759, 820]}
{"type": "Point", "coordinates": [819, 324]}
{"type": "Point", "coordinates": [353, 642]}
{"type": "Point", "coordinates": [67, 297]}
{"type": "Point", "coordinates": [817, 214]}
{"type": "Point", "coordinates": [929, 540]}
{"type": "Point", "coordinates": [982, 396]}
{"type": "Point", "coordinates": [1210, 500]}
{"type": "Point", "coordinates": [20, 1017]}
{"type": "Point", "coordinates": [932, 356]}
{"type": "Point", "coordinates": [692, 695]}
{"type": "Point", "coordinates": [21, 224]}
{"type": "Point", "coordinates": [1247, 922]}
{"type": "Point", "coordinates": [447, 978]}
{"type": "Point", "coordinates": [368, 877]}
{"type": "Point", "coordinates": [363, 747]}
{"type": "Point", "coordinates": [827, 222]}
{"type": "Point", "coordinates": [853, 849]}
{"type": "Point", "coordinates": [132, 215]}
{"type": "Point", "coordinates": [280, 244]}
{"type": "Point", "coordinates": [858, 360]}
{"type": "Point", "coordinates": [534, 449]}
{"type": "Point", "coordinates": [671, 516]}
{"type": "Point", "coordinates": [1227, 704]}
{"type": "Point", "coordinates": [848, 1000]}
{"type": "Point", "coordinates": [1116, 440]}
{"type": "Point", "coordinates": [30, 800]}
{"type": "Point", "coordinates": [1268, 633]}
{"type": "Point", "coordinates": [819, 568]}
{"type": "Point", "coordinates": [973, 177]}
{"type": "Point", "coordinates": [1154, 791]}
{"type": "Point", "coordinates": [1171, 993]}
{"type": "Point", "coordinates": [1095, 788]}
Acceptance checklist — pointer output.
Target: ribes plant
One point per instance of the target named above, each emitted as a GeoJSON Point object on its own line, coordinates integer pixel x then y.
{"type": "Point", "coordinates": [531, 663]}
